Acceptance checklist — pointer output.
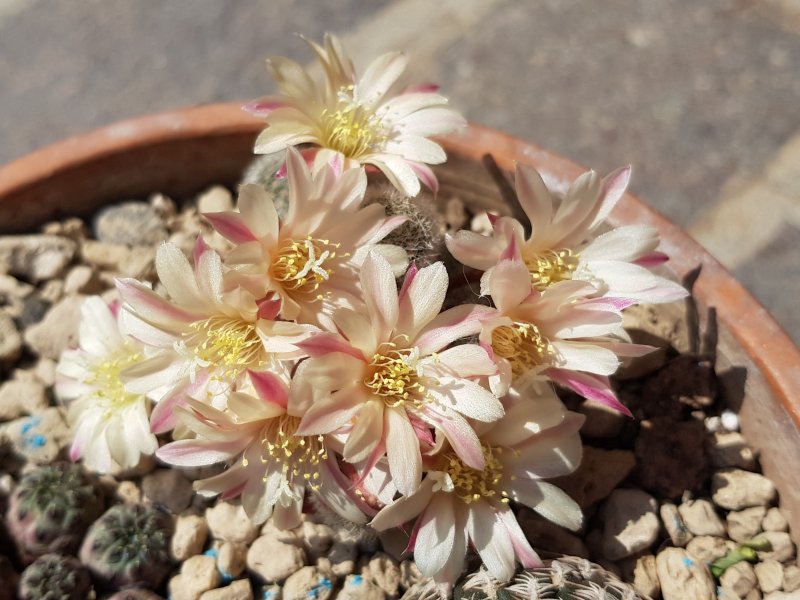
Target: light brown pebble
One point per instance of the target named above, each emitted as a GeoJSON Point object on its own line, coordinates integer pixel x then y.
{"type": "Point", "coordinates": [10, 340]}
{"type": "Point", "coordinates": [198, 574]}
{"type": "Point", "coordinates": [307, 583]}
{"type": "Point", "coordinates": [631, 523]}
{"type": "Point", "coordinates": [45, 371]}
{"type": "Point", "coordinates": [385, 572]}
{"type": "Point", "coordinates": [706, 548]}
{"type": "Point", "coordinates": [58, 330]}
{"type": "Point", "coordinates": [735, 489]}
{"type": "Point", "coordinates": [21, 397]}
{"type": "Point", "coordinates": [82, 279]}
{"type": "Point", "coordinates": [791, 578]}
{"type": "Point", "coordinates": [39, 438]}
{"type": "Point", "coordinates": [409, 574]}
{"type": "Point", "coordinates": [230, 523]}
{"type": "Point", "coordinates": [272, 560]}
{"type": "Point", "coordinates": [215, 199]}
{"type": "Point", "coordinates": [744, 525]}
{"type": "Point", "coordinates": [104, 256]}
{"type": "Point", "coordinates": [189, 538]}
{"type": "Point", "coordinates": [782, 596]}
{"type": "Point", "coordinates": [739, 579]}
{"type": "Point", "coordinates": [35, 257]}
{"type": "Point", "coordinates": [775, 520]}
{"type": "Point", "coordinates": [770, 575]}
{"type": "Point", "coordinates": [360, 588]}
{"type": "Point", "coordinates": [682, 577]}
{"type": "Point", "coordinates": [343, 559]}
{"type": "Point", "coordinates": [316, 537]}
{"type": "Point", "coordinates": [674, 525]}
{"type": "Point", "coordinates": [701, 518]}
{"type": "Point", "coordinates": [782, 546]}
{"type": "Point", "coordinates": [645, 576]}
{"type": "Point", "coordinates": [128, 492]}
{"type": "Point", "coordinates": [232, 559]}
{"type": "Point", "coordinates": [238, 590]}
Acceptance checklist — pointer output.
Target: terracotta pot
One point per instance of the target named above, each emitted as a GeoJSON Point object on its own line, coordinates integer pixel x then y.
{"type": "Point", "coordinates": [182, 152]}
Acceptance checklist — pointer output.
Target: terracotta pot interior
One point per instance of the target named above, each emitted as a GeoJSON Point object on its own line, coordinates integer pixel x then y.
{"type": "Point", "coordinates": [182, 153]}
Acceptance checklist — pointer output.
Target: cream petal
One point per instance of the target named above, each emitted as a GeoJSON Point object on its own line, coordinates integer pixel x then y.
{"type": "Point", "coordinates": [404, 509]}
{"type": "Point", "coordinates": [588, 357]}
{"type": "Point", "coordinates": [509, 284]}
{"type": "Point", "coordinates": [367, 432]}
{"type": "Point", "coordinates": [380, 294]}
{"type": "Point", "coordinates": [177, 276]}
{"type": "Point", "coordinates": [491, 540]}
{"type": "Point", "coordinates": [397, 171]}
{"type": "Point", "coordinates": [196, 453]}
{"type": "Point", "coordinates": [451, 325]}
{"type": "Point", "coordinates": [433, 120]}
{"type": "Point", "coordinates": [468, 398]}
{"type": "Point", "coordinates": [402, 451]}
{"type": "Point", "coordinates": [416, 148]}
{"type": "Point", "coordinates": [474, 250]}
{"type": "Point", "coordinates": [380, 75]}
{"type": "Point", "coordinates": [464, 360]}
{"type": "Point", "coordinates": [435, 535]}
{"type": "Point", "coordinates": [329, 414]}
{"type": "Point", "coordinates": [522, 548]}
{"type": "Point", "coordinates": [549, 501]}
{"type": "Point", "coordinates": [151, 307]}
{"type": "Point", "coordinates": [625, 243]}
{"type": "Point", "coordinates": [534, 197]}
{"type": "Point", "coordinates": [422, 299]}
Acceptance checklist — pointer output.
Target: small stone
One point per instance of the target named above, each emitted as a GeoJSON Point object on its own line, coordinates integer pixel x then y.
{"type": "Point", "coordinates": [701, 518]}
{"type": "Point", "coordinates": [271, 592]}
{"type": "Point", "coordinates": [364, 538]}
{"type": "Point", "coordinates": [674, 525]}
{"type": "Point", "coordinates": [230, 523]}
{"type": "Point", "coordinates": [706, 548]}
{"type": "Point", "coordinates": [306, 583]}
{"type": "Point", "coordinates": [39, 438]}
{"type": "Point", "coordinates": [32, 311]}
{"type": "Point", "coordinates": [272, 560]}
{"type": "Point", "coordinates": [72, 228]}
{"type": "Point", "coordinates": [45, 371]}
{"type": "Point", "coordinates": [104, 256]}
{"type": "Point", "coordinates": [343, 559]}
{"type": "Point", "coordinates": [82, 279]}
{"type": "Point", "coordinates": [35, 257]}
{"type": "Point", "coordinates": [739, 579]}
{"type": "Point", "coordinates": [198, 574]}
{"type": "Point", "coordinates": [775, 520]}
{"type": "Point", "coordinates": [140, 263]}
{"type": "Point", "coordinates": [357, 587]}
{"type": "Point", "coordinates": [599, 473]}
{"type": "Point", "coordinates": [215, 199]}
{"type": "Point", "coordinates": [163, 205]}
{"type": "Point", "coordinates": [168, 488]}
{"type": "Point", "coordinates": [645, 576]}
{"type": "Point", "coordinates": [51, 291]}
{"type": "Point", "coordinates": [21, 397]}
{"type": "Point", "coordinates": [770, 575]}
{"type": "Point", "coordinates": [728, 449]}
{"type": "Point", "coordinates": [782, 546]}
{"type": "Point", "coordinates": [134, 594]}
{"type": "Point", "coordinates": [189, 538]}
{"type": "Point", "coordinates": [682, 577]}
{"type": "Point", "coordinates": [238, 590]}
{"type": "Point", "coordinates": [58, 330]}
{"type": "Point", "coordinates": [231, 559]}
{"type": "Point", "coordinates": [409, 574]}
{"type": "Point", "coordinates": [128, 492]}
{"type": "Point", "coordinates": [736, 489]}
{"type": "Point", "coordinates": [630, 523]}
{"type": "Point", "coordinates": [791, 578]}
{"type": "Point", "coordinates": [12, 289]}
{"type": "Point", "coordinates": [385, 572]}
{"type": "Point", "coordinates": [131, 223]}
{"type": "Point", "coordinates": [10, 341]}
{"type": "Point", "coordinates": [744, 525]}
{"type": "Point", "coordinates": [546, 534]}
{"type": "Point", "coordinates": [316, 537]}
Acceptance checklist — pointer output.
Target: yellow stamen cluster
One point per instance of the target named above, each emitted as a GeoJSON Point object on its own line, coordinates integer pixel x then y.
{"type": "Point", "coordinates": [470, 485]}
{"type": "Point", "coordinates": [523, 345]}
{"type": "Point", "coordinates": [105, 376]}
{"type": "Point", "coordinates": [352, 129]}
{"type": "Point", "coordinates": [393, 376]}
{"type": "Point", "coordinates": [302, 265]}
{"type": "Point", "coordinates": [299, 456]}
{"type": "Point", "coordinates": [550, 266]}
{"type": "Point", "coordinates": [231, 345]}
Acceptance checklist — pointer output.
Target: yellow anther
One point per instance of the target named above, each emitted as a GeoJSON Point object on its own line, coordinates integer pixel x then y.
{"type": "Point", "coordinates": [352, 129]}
{"type": "Point", "coordinates": [302, 265]}
{"type": "Point", "coordinates": [393, 376]}
{"type": "Point", "coordinates": [228, 344]}
{"type": "Point", "coordinates": [550, 266]}
{"type": "Point", "coordinates": [105, 377]}
{"type": "Point", "coordinates": [523, 345]}
{"type": "Point", "coordinates": [470, 485]}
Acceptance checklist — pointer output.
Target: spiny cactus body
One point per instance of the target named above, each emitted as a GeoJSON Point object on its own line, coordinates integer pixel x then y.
{"type": "Point", "coordinates": [565, 578]}
{"type": "Point", "coordinates": [422, 235]}
{"type": "Point", "coordinates": [262, 171]}
{"type": "Point", "coordinates": [55, 577]}
{"type": "Point", "coordinates": [129, 546]}
{"type": "Point", "coordinates": [51, 509]}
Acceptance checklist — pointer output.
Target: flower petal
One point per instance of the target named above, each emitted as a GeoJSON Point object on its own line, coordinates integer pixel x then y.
{"type": "Point", "coordinates": [402, 451]}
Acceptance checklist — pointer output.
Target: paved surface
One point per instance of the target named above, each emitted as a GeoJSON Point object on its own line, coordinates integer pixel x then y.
{"type": "Point", "coordinates": [703, 98]}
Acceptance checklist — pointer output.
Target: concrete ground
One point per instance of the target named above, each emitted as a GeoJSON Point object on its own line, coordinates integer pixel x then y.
{"type": "Point", "coordinates": [703, 98]}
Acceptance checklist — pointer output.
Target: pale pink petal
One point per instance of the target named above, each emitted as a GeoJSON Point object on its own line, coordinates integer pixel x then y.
{"type": "Point", "coordinates": [270, 387]}
{"type": "Point", "coordinates": [402, 451]}
{"type": "Point", "coordinates": [585, 356]}
{"type": "Point", "coordinates": [554, 453]}
{"type": "Point", "coordinates": [323, 344]}
{"type": "Point", "coordinates": [653, 259]}
{"type": "Point", "coordinates": [510, 284]}
{"type": "Point", "coordinates": [177, 275]}
{"type": "Point", "coordinates": [258, 213]}
{"type": "Point", "coordinates": [422, 300]}
{"type": "Point", "coordinates": [380, 294]}
{"type": "Point", "coordinates": [549, 501]}
{"type": "Point", "coordinates": [491, 540]}
{"type": "Point", "coordinates": [331, 413]}
{"type": "Point", "coordinates": [231, 226]}
{"type": "Point", "coordinates": [474, 250]}
{"type": "Point", "coordinates": [590, 387]}
{"type": "Point", "coordinates": [425, 175]}
{"type": "Point", "coordinates": [465, 360]}
{"type": "Point", "coordinates": [435, 535]}
{"type": "Point", "coordinates": [380, 75]}
{"type": "Point", "coordinates": [162, 419]}
{"type": "Point", "coordinates": [288, 516]}
{"type": "Point", "coordinates": [534, 197]}
{"type": "Point", "coordinates": [612, 190]}
{"type": "Point", "coordinates": [450, 325]}
{"type": "Point", "coordinates": [197, 453]}
{"type": "Point", "coordinates": [459, 433]}
{"type": "Point", "coordinates": [468, 398]}
{"type": "Point", "coordinates": [336, 492]}
{"type": "Point", "coordinates": [367, 432]}
{"type": "Point", "coordinates": [404, 509]}
{"type": "Point", "coordinates": [398, 172]}
{"type": "Point", "coordinates": [522, 548]}
{"type": "Point", "coordinates": [151, 307]}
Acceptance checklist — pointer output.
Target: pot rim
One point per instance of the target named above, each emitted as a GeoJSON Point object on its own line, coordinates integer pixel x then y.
{"type": "Point", "coordinates": [760, 336]}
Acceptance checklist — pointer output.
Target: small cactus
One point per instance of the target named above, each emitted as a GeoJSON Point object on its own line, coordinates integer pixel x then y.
{"type": "Point", "coordinates": [422, 235]}
{"type": "Point", "coordinates": [51, 509]}
{"type": "Point", "coordinates": [565, 578]}
{"type": "Point", "coordinates": [129, 546]}
{"type": "Point", "coordinates": [55, 577]}
{"type": "Point", "coordinates": [262, 171]}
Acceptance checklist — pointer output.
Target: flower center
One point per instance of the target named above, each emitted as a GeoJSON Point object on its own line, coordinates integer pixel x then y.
{"type": "Point", "coordinates": [105, 376]}
{"type": "Point", "coordinates": [299, 456]}
{"type": "Point", "coordinates": [228, 345]}
{"type": "Point", "coordinates": [303, 265]}
{"type": "Point", "coordinates": [470, 485]}
{"type": "Point", "coordinates": [393, 376]}
{"type": "Point", "coordinates": [352, 129]}
{"type": "Point", "coordinates": [550, 266]}
{"type": "Point", "coordinates": [523, 346]}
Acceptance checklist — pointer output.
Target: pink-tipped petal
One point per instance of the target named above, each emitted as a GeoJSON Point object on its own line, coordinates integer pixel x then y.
{"type": "Point", "coordinates": [200, 247]}
{"type": "Point", "coordinates": [590, 387]}
{"type": "Point", "coordinates": [426, 176]}
{"type": "Point", "coordinates": [522, 548]}
{"type": "Point", "coordinates": [326, 343]}
{"type": "Point", "coordinates": [269, 307]}
{"type": "Point", "coordinates": [652, 259]}
{"type": "Point", "coordinates": [270, 387]}
{"type": "Point", "coordinates": [230, 226]}
{"type": "Point", "coordinates": [261, 108]}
